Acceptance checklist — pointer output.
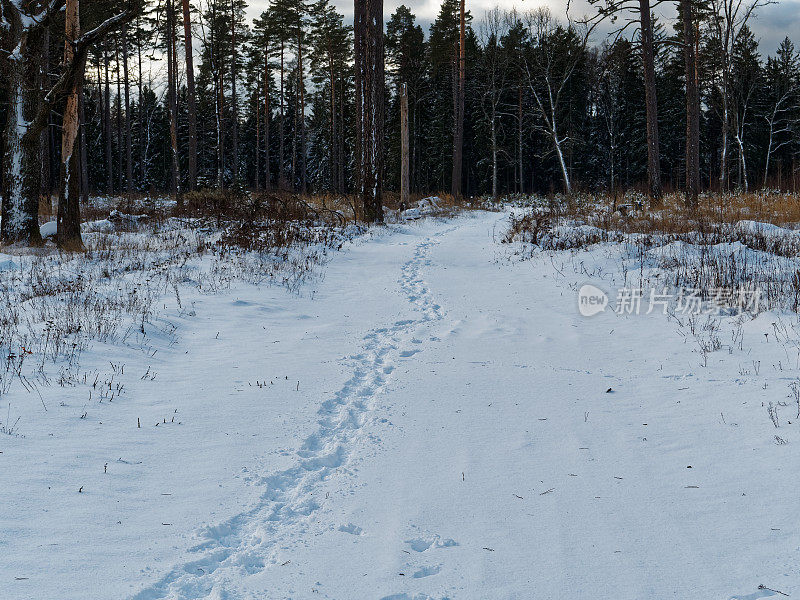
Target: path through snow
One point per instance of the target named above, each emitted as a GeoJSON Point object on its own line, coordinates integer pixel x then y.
{"type": "Point", "coordinates": [433, 424]}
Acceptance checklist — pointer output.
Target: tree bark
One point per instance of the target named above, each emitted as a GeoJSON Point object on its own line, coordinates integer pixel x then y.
{"type": "Point", "coordinates": [84, 151]}
{"type": "Point", "coordinates": [68, 235]}
{"type": "Point", "coordinates": [120, 140]}
{"type": "Point", "coordinates": [368, 29]}
{"type": "Point", "coordinates": [107, 124]}
{"type": "Point", "coordinates": [22, 168]}
{"type": "Point", "coordinates": [191, 100]}
{"type": "Point", "coordinates": [128, 140]}
{"type": "Point", "coordinates": [46, 151]}
{"type": "Point", "coordinates": [458, 130]}
{"type": "Point", "coordinates": [281, 158]}
{"type": "Point", "coordinates": [172, 99]}
{"type": "Point", "coordinates": [651, 102]}
{"type": "Point", "coordinates": [21, 162]}
{"type": "Point", "coordinates": [692, 106]}
{"type": "Point", "coordinates": [521, 158]}
{"type": "Point", "coordinates": [302, 95]}
{"type": "Point", "coordinates": [404, 163]}
{"type": "Point", "coordinates": [267, 175]}
{"type": "Point", "coordinates": [142, 115]}
{"type": "Point", "coordinates": [234, 96]}
{"type": "Point", "coordinates": [219, 100]}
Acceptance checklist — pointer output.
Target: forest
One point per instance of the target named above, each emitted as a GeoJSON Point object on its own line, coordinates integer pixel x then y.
{"type": "Point", "coordinates": [308, 299]}
{"type": "Point", "coordinates": [172, 96]}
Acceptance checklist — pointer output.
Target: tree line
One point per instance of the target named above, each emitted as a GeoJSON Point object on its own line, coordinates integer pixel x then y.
{"type": "Point", "coordinates": [171, 96]}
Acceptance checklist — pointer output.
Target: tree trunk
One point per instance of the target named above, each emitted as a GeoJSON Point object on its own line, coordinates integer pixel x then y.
{"type": "Point", "coordinates": [107, 124]}
{"type": "Point", "coordinates": [404, 163]}
{"type": "Point", "coordinates": [219, 100]}
{"type": "Point", "coordinates": [191, 101]}
{"type": "Point", "coordinates": [651, 102]}
{"type": "Point", "coordinates": [302, 95]}
{"type": "Point", "coordinates": [234, 96]}
{"type": "Point", "coordinates": [493, 131]}
{"type": "Point", "coordinates": [267, 175]}
{"type": "Point", "coordinates": [560, 155]}
{"type": "Point", "coordinates": [723, 158]}
{"type": "Point", "coordinates": [369, 63]}
{"type": "Point", "coordinates": [333, 146]}
{"type": "Point", "coordinates": [172, 99]}
{"type": "Point", "coordinates": [21, 162]}
{"type": "Point", "coordinates": [742, 159]}
{"type": "Point", "coordinates": [281, 158]}
{"type": "Point", "coordinates": [519, 142]}
{"type": "Point", "coordinates": [142, 115]}
{"type": "Point", "coordinates": [22, 168]}
{"type": "Point", "coordinates": [128, 140]}
{"type": "Point", "coordinates": [120, 141]}
{"type": "Point", "coordinates": [692, 106]}
{"type": "Point", "coordinates": [343, 187]}
{"type": "Point", "coordinates": [458, 131]}
{"type": "Point", "coordinates": [84, 151]}
{"type": "Point", "coordinates": [46, 151]}
{"type": "Point", "coordinates": [257, 181]}
{"type": "Point", "coordinates": [68, 226]}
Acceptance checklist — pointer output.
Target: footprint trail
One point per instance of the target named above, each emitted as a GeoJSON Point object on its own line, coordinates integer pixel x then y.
{"type": "Point", "coordinates": [249, 542]}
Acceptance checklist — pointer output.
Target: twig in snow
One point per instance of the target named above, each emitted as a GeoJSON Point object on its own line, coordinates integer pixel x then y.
{"type": "Point", "coordinates": [763, 587]}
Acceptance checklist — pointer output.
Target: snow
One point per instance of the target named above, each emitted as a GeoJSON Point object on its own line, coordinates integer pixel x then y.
{"type": "Point", "coordinates": [432, 419]}
{"type": "Point", "coordinates": [98, 226]}
{"type": "Point", "coordinates": [49, 229]}
{"type": "Point", "coordinates": [425, 208]}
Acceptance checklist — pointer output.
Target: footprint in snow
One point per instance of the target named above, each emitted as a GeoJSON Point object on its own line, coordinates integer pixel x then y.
{"type": "Point", "coordinates": [351, 529]}
{"type": "Point", "coordinates": [427, 571]}
{"type": "Point", "coordinates": [420, 544]}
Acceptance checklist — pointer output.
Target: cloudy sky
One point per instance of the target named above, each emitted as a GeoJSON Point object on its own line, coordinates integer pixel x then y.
{"type": "Point", "coordinates": [771, 25]}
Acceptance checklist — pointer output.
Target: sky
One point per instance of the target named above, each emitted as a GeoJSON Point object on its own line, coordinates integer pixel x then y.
{"type": "Point", "coordinates": [770, 25]}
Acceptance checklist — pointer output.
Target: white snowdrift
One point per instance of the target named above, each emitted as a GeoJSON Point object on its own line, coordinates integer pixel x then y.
{"type": "Point", "coordinates": [425, 208]}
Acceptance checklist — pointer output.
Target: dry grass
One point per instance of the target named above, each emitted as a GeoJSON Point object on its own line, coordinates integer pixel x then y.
{"type": "Point", "coordinates": [54, 304]}
{"type": "Point", "coordinates": [633, 214]}
{"type": "Point", "coordinates": [706, 249]}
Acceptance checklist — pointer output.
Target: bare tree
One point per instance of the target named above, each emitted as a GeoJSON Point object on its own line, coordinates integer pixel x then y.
{"type": "Point", "coordinates": [549, 70]}
{"type": "Point", "coordinates": [491, 83]}
{"type": "Point", "coordinates": [611, 9]}
{"type": "Point", "coordinates": [728, 19]}
{"type": "Point", "coordinates": [781, 119]}
{"type": "Point", "coordinates": [610, 100]}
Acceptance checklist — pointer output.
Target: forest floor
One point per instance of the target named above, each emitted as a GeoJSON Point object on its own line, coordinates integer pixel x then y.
{"type": "Point", "coordinates": [433, 418]}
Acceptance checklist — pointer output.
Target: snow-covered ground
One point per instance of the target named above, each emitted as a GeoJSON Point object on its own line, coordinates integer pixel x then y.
{"type": "Point", "coordinates": [432, 419]}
